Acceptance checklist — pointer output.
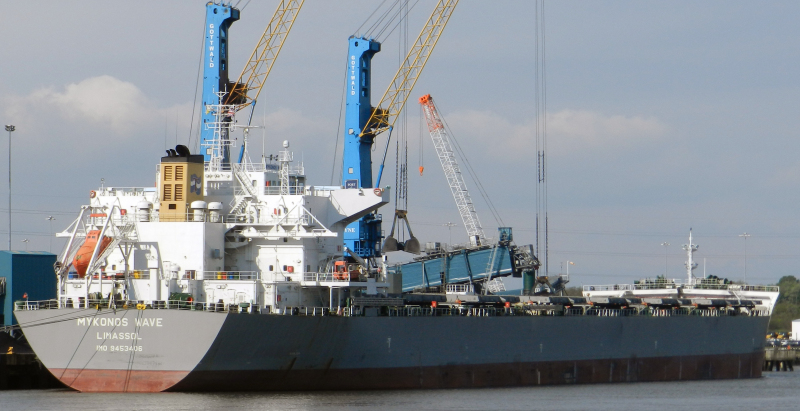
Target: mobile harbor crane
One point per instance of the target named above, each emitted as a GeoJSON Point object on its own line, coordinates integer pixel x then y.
{"type": "Point", "coordinates": [444, 150]}
{"type": "Point", "coordinates": [363, 122]}
{"type": "Point", "coordinates": [243, 92]}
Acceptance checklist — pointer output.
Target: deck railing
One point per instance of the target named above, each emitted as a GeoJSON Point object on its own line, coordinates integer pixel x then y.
{"type": "Point", "coordinates": [674, 284]}
{"type": "Point", "coordinates": [226, 275]}
{"type": "Point", "coordinates": [81, 303]}
{"type": "Point", "coordinates": [327, 277]}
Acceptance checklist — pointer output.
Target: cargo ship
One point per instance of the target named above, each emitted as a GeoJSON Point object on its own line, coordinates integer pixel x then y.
{"type": "Point", "coordinates": [239, 275]}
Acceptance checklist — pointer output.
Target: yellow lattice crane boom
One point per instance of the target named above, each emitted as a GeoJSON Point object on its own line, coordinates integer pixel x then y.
{"type": "Point", "coordinates": [246, 89]}
{"type": "Point", "coordinates": [394, 99]}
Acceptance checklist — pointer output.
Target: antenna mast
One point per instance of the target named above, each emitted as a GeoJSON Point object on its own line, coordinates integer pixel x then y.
{"type": "Point", "coordinates": [690, 264]}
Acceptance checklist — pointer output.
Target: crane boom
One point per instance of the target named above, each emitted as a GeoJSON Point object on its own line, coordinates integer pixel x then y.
{"type": "Point", "coordinates": [444, 150]}
{"type": "Point", "coordinates": [247, 88]}
{"type": "Point", "coordinates": [395, 97]}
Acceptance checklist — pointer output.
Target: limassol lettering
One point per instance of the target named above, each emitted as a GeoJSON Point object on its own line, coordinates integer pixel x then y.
{"type": "Point", "coordinates": [117, 336]}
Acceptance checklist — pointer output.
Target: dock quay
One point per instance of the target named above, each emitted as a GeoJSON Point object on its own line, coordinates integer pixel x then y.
{"type": "Point", "coordinates": [24, 372]}
{"type": "Point", "coordinates": [20, 369]}
{"type": "Point", "coordinates": [781, 358]}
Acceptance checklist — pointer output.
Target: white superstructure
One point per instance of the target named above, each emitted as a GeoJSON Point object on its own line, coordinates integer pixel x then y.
{"type": "Point", "coordinates": [692, 287]}
{"type": "Point", "coordinates": [244, 234]}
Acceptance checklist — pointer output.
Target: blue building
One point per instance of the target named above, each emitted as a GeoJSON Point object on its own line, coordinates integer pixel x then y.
{"type": "Point", "coordinates": [24, 272]}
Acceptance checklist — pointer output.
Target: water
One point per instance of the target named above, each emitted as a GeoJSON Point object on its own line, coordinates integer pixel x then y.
{"type": "Point", "coordinates": [776, 390]}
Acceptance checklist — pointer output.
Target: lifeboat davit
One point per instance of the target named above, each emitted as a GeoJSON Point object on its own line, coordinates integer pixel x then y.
{"type": "Point", "coordinates": [84, 255]}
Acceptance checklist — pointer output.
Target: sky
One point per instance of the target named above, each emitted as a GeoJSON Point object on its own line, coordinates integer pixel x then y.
{"type": "Point", "coordinates": [661, 117]}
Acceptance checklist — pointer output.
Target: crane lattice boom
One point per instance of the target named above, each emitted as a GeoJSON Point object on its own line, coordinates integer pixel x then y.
{"type": "Point", "coordinates": [444, 150]}
{"type": "Point", "coordinates": [246, 89]}
{"type": "Point", "coordinates": [394, 99]}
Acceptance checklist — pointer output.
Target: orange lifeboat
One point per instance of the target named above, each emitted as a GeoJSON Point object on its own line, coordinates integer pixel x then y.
{"type": "Point", "coordinates": [344, 271]}
{"type": "Point", "coordinates": [84, 255]}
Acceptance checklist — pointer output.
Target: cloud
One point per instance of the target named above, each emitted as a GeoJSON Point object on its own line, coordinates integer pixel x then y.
{"type": "Point", "coordinates": [582, 128]}
{"type": "Point", "coordinates": [567, 130]}
{"type": "Point", "coordinates": [786, 176]}
{"type": "Point", "coordinates": [104, 103]}
{"type": "Point", "coordinates": [102, 100]}
{"type": "Point", "coordinates": [100, 111]}
{"type": "Point", "coordinates": [285, 120]}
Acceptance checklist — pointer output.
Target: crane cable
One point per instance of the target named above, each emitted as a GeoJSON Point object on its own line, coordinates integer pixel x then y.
{"type": "Point", "coordinates": [404, 17]}
{"type": "Point", "coordinates": [367, 19]}
{"type": "Point", "coordinates": [540, 98]}
{"type": "Point", "coordinates": [391, 15]}
{"type": "Point", "coordinates": [379, 25]}
{"type": "Point", "coordinates": [196, 87]}
{"type": "Point", "coordinates": [338, 128]}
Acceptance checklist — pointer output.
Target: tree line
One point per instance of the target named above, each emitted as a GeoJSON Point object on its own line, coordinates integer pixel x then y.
{"type": "Point", "coordinates": [788, 305]}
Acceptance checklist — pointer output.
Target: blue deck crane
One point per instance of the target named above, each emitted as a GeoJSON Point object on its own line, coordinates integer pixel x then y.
{"type": "Point", "coordinates": [245, 90]}
{"type": "Point", "coordinates": [363, 236]}
{"type": "Point", "coordinates": [363, 122]}
{"type": "Point", "coordinates": [219, 18]}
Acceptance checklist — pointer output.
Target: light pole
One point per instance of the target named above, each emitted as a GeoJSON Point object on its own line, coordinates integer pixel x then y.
{"type": "Point", "coordinates": [26, 241]}
{"type": "Point", "coordinates": [745, 235]}
{"type": "Point", "coordinates": [10, 128]}
{"type": "Point", "coordinates": [569, 263]}
{"type": "Point", "coordinates": [665, 244]}
{"type": "Point", "coordinates": [450, 226]}
{"type": "Point", "coordinates": [51, 218]}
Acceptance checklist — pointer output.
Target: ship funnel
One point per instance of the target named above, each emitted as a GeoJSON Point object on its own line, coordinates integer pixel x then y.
{"type": "Point", "coordinates": [182, 150]}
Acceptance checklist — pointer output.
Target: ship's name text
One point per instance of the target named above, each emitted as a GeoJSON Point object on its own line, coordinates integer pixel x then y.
{"type": "Point", "coordinates": [119, 322]}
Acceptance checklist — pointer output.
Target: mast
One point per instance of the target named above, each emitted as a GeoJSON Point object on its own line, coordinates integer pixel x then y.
{"type": "Point", "coordinates": [690, 264]}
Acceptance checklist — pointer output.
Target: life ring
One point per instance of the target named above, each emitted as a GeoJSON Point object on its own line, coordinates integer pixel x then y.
{"type": "Point", "coordinates": [378, 192]}
{"type": "Point", "coordinates": [92, 194]}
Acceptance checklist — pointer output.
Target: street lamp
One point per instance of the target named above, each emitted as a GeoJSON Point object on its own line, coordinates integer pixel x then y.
{"type": "Point", "coordinates": [10, 128]}
{"type": "Point", "coordinates": [665, 244]}
{"type": "Point", "coordinates": [26, 241]}
{"type": "Point", "coordinates": [745, 235]}
{"type": "Point", "coordinates": [51, 218]}
{"type": "Point", "coordinates": [568, 264]}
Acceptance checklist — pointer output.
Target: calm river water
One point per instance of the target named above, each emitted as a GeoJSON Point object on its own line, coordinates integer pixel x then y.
{"type": "Point", "coordinates": [776, 390]}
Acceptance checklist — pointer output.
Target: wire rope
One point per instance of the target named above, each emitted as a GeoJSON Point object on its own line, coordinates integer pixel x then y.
{"type": "Point", "coordinates": [402, 19]}
{"type": "Point", "coordinates": [196, 87]}
{"type": "Point", "coordinates": [370, 16]}
{"type": "Point", "coordinates": [338, 129]}
{"type": "Point", "coordinates": [66, 367]}
{"type": "Point", "coordinates": [379, 21]}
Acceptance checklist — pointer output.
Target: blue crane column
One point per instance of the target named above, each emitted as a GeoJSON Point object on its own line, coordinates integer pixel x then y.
{"type": "Point", "coordinates": [215, 69]}
{"type": "Point", "coordinates": [363, 236]}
